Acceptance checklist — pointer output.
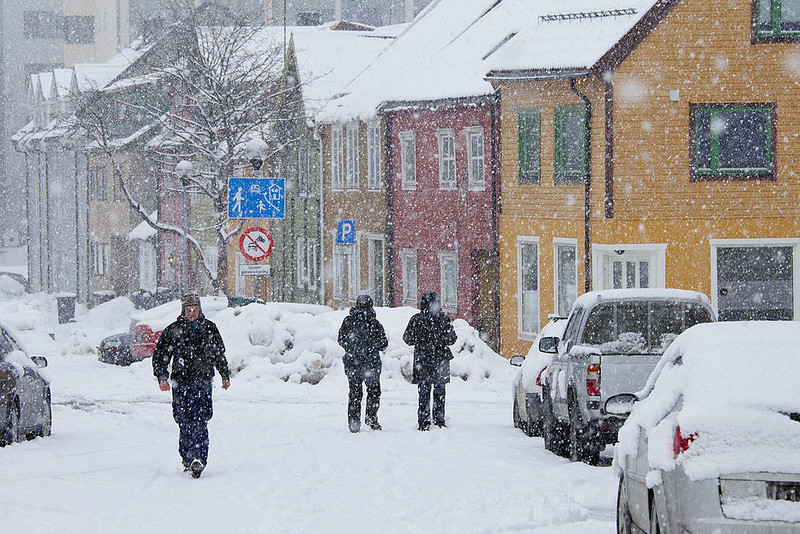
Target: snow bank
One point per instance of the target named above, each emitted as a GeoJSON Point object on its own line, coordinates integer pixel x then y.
{"type": "Point", "coordinates": [286, 342]}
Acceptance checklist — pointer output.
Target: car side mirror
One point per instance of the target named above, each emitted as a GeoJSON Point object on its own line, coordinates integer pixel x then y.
{"type": "Point", "coordinates": [548, 345]}
{"type": "Point", "coordinates": [40, 361]}
{"type": "Point", "coordinates": [620, 404]}
{"type": "Point", "coordinates": [517, 360]}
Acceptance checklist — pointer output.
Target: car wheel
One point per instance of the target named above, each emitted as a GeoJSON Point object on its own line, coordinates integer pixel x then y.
{"type": "Point", "coordinates": [11, 432]}
{"type": "Point", "coordinates": [655, 526]}
{"type": "Point", "coordinates": [624, 523]}
{"type": "Point", "coordinates": [535, 423]}
{"type": "Point", "coordinates": [553, 437]}
{"type": "Point", "coordinates": [47, 417]}
{"type": "Point", "coordinates": [582, 448]}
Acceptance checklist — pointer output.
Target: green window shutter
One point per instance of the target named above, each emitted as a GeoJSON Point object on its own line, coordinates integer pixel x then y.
{"type": "Point", "coordinates": [529, 146]}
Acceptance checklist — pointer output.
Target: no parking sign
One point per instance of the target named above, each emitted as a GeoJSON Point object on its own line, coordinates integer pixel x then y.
{"type": "Point", "coordinates": [256, 244]}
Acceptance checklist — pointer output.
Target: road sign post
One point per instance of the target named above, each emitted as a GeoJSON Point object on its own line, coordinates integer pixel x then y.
{"type": "Point", "coordinates": [345, 243]}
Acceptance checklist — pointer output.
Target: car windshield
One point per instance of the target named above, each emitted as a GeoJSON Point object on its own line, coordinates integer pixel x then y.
{"type": "Point", "coordinates": [640, 327]}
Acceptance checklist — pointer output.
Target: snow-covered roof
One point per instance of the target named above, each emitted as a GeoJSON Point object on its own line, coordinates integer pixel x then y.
{"type": "Point", "coordinates": [572, 35]}
{"type": "Point", "coordinates": [450, 47]}
{"type": "Point", "coordinates": [143, 231]}
{"type": "Point", "coordinates": [63, 78]}
{"type": "Point", "coordinates": [328, 58]}
{"type": "Point", "coordinates": [91, 76]}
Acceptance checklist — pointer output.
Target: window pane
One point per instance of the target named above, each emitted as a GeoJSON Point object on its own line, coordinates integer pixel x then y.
{"type": "Point", "coordinates": [703, 139]}
{"type": "Point", "coordinates": [567, 289]}
{"type": "Point", "coordinates": [573, 143]}
{"type": "Point", "coordinates": [644, 274]}
{"type": "Point", "coordinates": [529, 282]}
{"type": "Point", "coordinates": [742, 140]}
{"type": "Point", "coordinates": [765, 16]}
{"type": "Point", "coordinates": [617, 275]}
{"type": "Point", "coordinates": [630, 274]}
{"type": "Point", "coordinates": [790, 15]}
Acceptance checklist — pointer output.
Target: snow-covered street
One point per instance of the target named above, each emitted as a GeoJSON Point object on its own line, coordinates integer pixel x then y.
{"type": "Point", "coordinates": [281, 458]}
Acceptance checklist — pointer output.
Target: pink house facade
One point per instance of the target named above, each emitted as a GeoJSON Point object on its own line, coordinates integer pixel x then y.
{"type": "Point", "coordinates": [443, 205]}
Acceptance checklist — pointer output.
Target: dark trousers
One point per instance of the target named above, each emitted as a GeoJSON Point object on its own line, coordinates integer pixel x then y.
{"type": "Point", "coordinates": [372, 380]}
{"type": "Point", "coordinates": [192, 409]}
{"type": "Point", "coordinates": [424, 411]}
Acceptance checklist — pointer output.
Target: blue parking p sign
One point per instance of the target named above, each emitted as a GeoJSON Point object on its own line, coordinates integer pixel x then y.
{"type": "Point", "coordinates": [256, 198]}
{"type": "Point", "coordinates": [346, 232]}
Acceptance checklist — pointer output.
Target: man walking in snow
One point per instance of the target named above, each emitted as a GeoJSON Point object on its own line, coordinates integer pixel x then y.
{"type": "Point", "coordinates": [431, 334]}
{"type": "Point", "coordinates": [362, 337]}
{"type": "Point", "coordinates": [193, 347]}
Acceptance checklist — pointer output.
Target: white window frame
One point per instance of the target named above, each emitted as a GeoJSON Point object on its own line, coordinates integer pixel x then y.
{"type": "Point", "coordinates": [306, 263]}
{"type": "Point", "coordinates": [99, 259]}
{"type": "Point", "coordinates": [604, 255]}
{"type": "Point", "coordinates": [448, 258]}
{"type": "Point", "coordinates": [239, 278]}
{"type": "Point", "coordinates": [337, 155]}
{"type": "Point", "coordinates": [371, 239]}
{"type": "Point", "coordinates": [148, 267]}
{"type": "Point", "coordinates": [374, 156]}
{"type": "Point", "coordinates": [476, 162]}
{"type": "Point", "coordinates": [408, 258]}
{"type": "Point", "coordinates": [729, 243]}
{"type": "Point", "coordinates": [304, 170]}
{"type": "Point", "coordinates": [528, 335]}
{"type": "Point", "coordinates": [351, 142]}
{"type": "Point", "coordinates": [563, 242]}
{"type": "Point", "coordinates": [408, 160]}
{"type": "Point", "coordinates": [447, 159]}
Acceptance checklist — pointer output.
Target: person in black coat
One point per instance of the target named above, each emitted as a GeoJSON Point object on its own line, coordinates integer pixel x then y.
{"type": "Point", "coordinates": [191, 347]}
{"type": "Point", "coordinates": [362, 337]}
{"type": "Point", "coordinates": [431, 334]}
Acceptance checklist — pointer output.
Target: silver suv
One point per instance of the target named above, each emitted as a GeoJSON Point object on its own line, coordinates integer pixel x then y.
{"type": "Point", "coordinates": [611, 344]}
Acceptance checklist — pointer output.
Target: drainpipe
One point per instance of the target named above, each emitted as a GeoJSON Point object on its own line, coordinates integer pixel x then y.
{"type": "Point", "coordinates": [587, 189]}
{"type": "Point", "coordinates": [390, 282]}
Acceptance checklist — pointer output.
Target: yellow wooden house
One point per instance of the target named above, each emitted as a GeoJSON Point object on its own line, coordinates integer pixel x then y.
{"type": "Point", "coordinates": [653, 145]}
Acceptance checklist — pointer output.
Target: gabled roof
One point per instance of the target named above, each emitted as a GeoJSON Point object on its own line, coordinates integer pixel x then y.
{"type": "Point", "coordinates": [439, 56]}
{"type": "Point", "coordinates": [573, 38]}
{"type": "Point", "coordinates": [328, 58]}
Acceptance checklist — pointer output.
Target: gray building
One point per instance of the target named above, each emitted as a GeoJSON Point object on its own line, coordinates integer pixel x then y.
{"type": "Point", "coordinates": [30, 42]}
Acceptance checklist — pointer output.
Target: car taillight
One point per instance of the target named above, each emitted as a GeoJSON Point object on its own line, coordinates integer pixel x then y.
{"type": "Point", "coordinates": [593, 379]}
{"type": "Point", "coordinates": [680, 443]}
{"type": "Point", "coordinates": [539, 378]}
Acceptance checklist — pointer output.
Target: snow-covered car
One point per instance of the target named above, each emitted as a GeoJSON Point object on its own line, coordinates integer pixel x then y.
{"type": "Point", "coordinates": [116, 349]}
{"type": "Point", "coordinates": [527, 411]}
{"type": "Point", "coordinates": [712, 446]}
{"type": "Point", "coordinates": [25, 410]}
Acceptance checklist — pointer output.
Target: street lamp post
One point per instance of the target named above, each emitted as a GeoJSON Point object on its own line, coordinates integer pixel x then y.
{"type": "Point", "coordinates": [256, 151]}
{"type": "Point", "coordinates": [185, 169]}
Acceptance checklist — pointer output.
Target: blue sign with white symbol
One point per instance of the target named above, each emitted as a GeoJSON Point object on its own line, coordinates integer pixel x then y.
{"type": "Point", "coordinates": [256, 198]}
{"type": "Point", "coordinates": [346, 232]}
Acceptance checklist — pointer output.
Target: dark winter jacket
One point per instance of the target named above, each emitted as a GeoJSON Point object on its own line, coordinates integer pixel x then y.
{"type": "Point", "coordinates": [362, 337]}
{"type": "Point", "coordinates": [431, 334]}
{"type": "Point", "coordinates": [193, 349]}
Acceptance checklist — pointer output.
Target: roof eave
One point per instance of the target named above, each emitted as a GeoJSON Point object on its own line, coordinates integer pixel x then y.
{"type": "Point", "coordinates": [523, 75]}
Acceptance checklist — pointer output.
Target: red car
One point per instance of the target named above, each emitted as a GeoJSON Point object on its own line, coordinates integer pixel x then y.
{"type": "Point", "coordinates": [144, 342]}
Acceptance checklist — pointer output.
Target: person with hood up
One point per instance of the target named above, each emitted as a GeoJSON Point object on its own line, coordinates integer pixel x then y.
{"type": "Point", "coordinates": [362, 337]}
{"type": "Point", "coordinates": [191, 347]}
{"type": "Point", "coordinates": [431, 334]}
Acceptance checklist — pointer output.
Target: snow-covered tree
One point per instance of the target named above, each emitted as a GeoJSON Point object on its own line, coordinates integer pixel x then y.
{"type": "Point", "coordinates": [223, 78]}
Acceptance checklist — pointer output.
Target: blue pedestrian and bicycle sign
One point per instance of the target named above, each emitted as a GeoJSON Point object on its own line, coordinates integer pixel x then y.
{"type": "Point", "coordinates": [256, 198]}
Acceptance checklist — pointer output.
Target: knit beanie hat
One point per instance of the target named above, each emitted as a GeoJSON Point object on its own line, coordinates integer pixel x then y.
{"type": "Point", "coordinates": [190, 299]}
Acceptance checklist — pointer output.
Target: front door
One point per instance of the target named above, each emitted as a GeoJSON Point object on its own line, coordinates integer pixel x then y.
{"type": "Point", "coordinates": [755, 283]}
{"type": "Point", "coordinates": [488, 322]}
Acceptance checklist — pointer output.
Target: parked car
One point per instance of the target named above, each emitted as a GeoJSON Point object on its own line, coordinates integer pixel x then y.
{"type": "Point", "coordinates": [527, 412]}
{"type": "Point", "coordinates": [20, 279]}
{"type": "Point", "coordinates": [712, 445]}
{"type": "Point", "coordinates": [612, 341]}
{"type": "Point", "coordinates": [116, 349]}
{"type": "Point", "coordinates": [25, 410]}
